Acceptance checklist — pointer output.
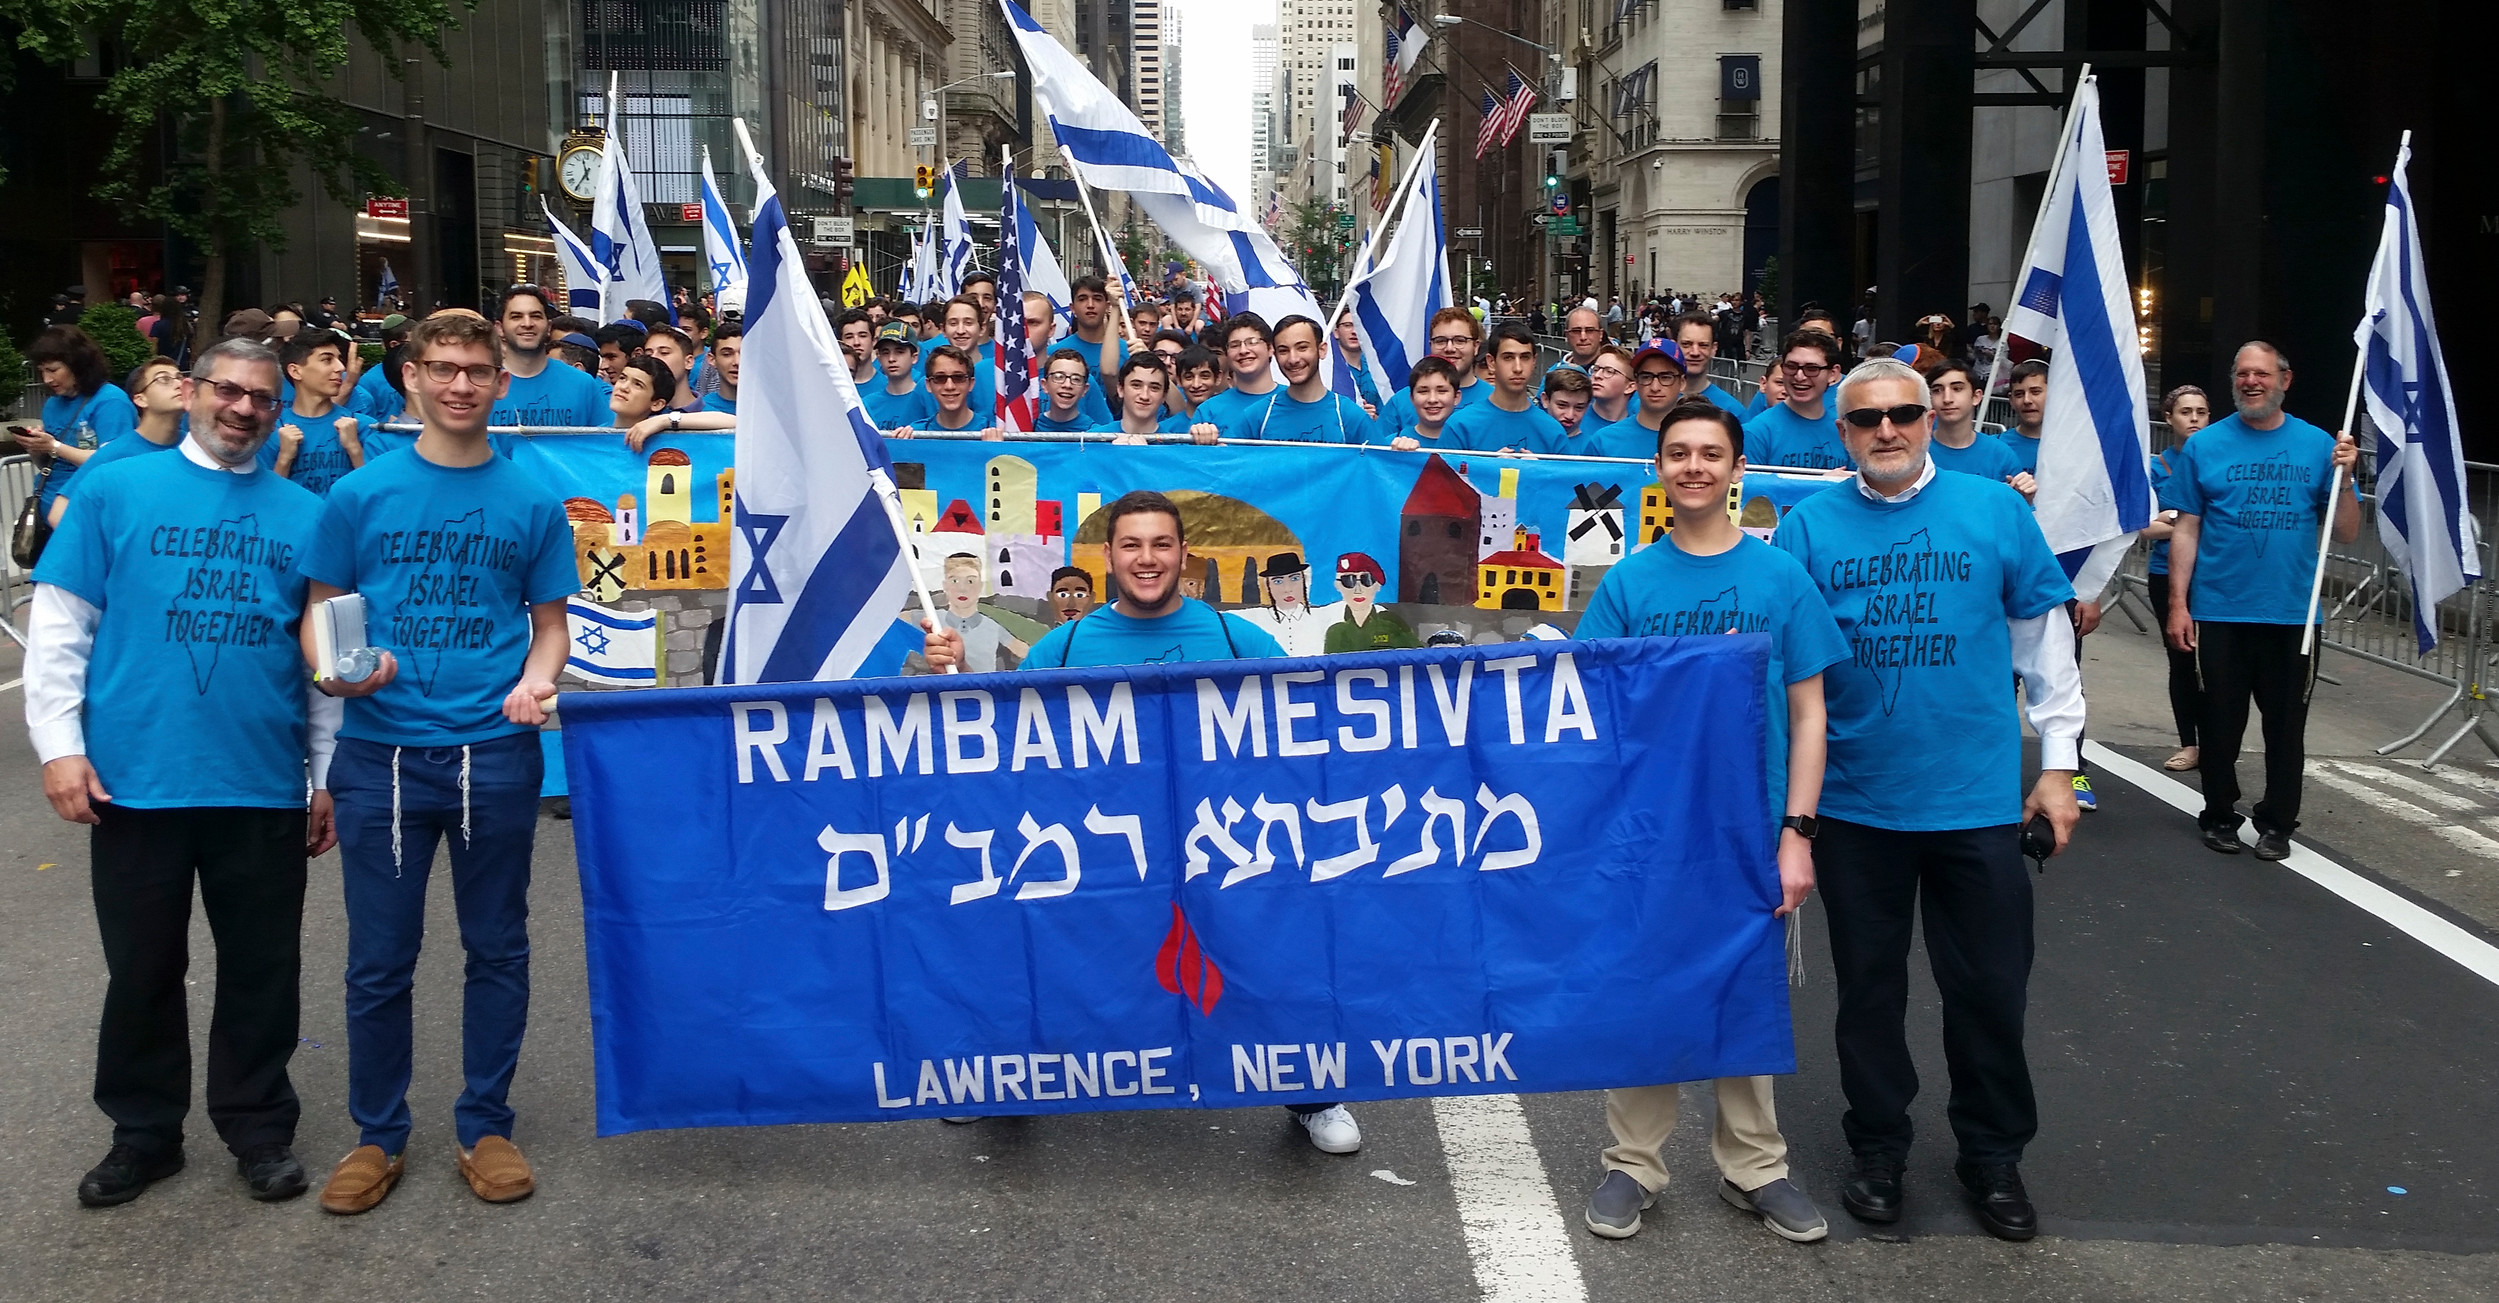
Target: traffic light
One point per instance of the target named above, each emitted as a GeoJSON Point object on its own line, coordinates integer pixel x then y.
{"type": "Point", "coordinates": [923, 180]}
{"type": "Point", "coordinates": [525, 201]}
{"type": "Point", "coordinates": [1557, 161]}
{"type": "Point", "coordinates": [843, 173]}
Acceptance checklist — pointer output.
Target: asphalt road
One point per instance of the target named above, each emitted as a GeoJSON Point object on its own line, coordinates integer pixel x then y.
{"type": "Point", "coordinates": [2234, 1066]}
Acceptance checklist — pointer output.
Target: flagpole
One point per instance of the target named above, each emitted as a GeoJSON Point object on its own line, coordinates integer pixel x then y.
{"type": "Point", "coordinates": [1396, 207]}
{"type": "Point", "coordinates": [2334, 484]}
{"type": "Point", "coordinates": [1102, 239]}
{"type": "Point", "coordinates": [2056, 177]}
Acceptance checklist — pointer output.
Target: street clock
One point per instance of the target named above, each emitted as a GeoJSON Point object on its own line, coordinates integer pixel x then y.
{"type": "Point", "coordinates": [577, 166]}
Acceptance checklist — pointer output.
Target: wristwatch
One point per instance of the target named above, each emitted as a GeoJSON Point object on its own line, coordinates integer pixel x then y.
{"type": "Point", "coordinates": [1806, 826]}
{"type": "Point", "coordinates": [672, 420]}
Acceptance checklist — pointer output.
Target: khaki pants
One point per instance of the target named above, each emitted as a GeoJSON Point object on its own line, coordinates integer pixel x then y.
{"type": "Point", "coordinates": [1746, 1143]}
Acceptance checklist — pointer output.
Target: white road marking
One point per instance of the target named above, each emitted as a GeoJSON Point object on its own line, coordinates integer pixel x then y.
{"type": "Point", "coordinates": [2447, 830]}
{"type": "Point", "coordinates": [2437, 796]}
{"type": "Point", "coordinates": [10, 684]}
{"type": "Point", "coordinates": [1515, 1235]}
{"type": "Point", "coordinates": [2477, 956]}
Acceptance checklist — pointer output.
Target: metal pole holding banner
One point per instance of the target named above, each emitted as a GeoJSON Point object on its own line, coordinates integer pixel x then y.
{"type": "Point", "coordinates": [2333, 502]}
{"type": "Point", "coordinates": [2056, 177]}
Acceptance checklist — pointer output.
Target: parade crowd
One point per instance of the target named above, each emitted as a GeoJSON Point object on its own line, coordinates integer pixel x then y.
{"type": "Point", "coordinates": [169, 700]}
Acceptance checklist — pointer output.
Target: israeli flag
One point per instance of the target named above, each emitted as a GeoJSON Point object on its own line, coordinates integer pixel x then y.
{"type": "Point", "coordinates": [620, 232]}
{"type": "Point", "coordinates": [720, 245]}
{"type": "Point", "coordinates": [584, 280]}
{"type": "Point", "coordinates": [816, 561]}
{"type": "Point", "coordinates": [1111, 150]}
{"type": "Point", "coordinates": [956, 260]}
{"type": "Point", "coordinates": [389, 288]}
{"type": "Point", "coordinates": [2095, 462]}
{"type": "Point", "coordinates": [2423, 518]}
{"type": "Point", "coordinates": [619, 648]}
{"type": "Point", "coordinates": [1407, 282]}
{"type": "Point", "coordinates": [1042, 273]}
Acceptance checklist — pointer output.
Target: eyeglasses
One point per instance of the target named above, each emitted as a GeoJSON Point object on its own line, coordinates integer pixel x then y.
{"type": "Point", "coordinates": [1866, 418]}
{"type": "Point", "coordinates": [1660, 377]}
{"type": "Point", "coordinates": [949, 378]}
{"type": "Point", "coordinates": [1610, 372]}
{"type": "Point", "coordinates": [1357, 579]}
{"type": "Point", "coordinates": [1579, 330]}
{"type": "Point", "coordinates": [442, 373]}
{"type": "Point", "coordinates": [229, 394]}
{"type": "Point", "coordinates": [1806, 368]}
{"type": "Point", "coordinates": [1065, 377]}
{"type": "Point", "coordinates": [1451, 341]}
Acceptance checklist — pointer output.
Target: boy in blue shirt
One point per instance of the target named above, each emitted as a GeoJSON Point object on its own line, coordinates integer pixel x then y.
{"type": "Point", "coordinates": [1958, 444]}
{"type": "Point", "coordinates": [1564, 397]}
{"type": "Point", "coordinates": [2027, 392]}
{"type": "Point", "coordinates": [727, 343]}
{"type": "Point", "coordinates": [1696, 336]}
{"type": "Point", "coordinates": [166, 703]}
{"type": "Point", "coordinates": [1945, 590]}
{"type": "Point", "coordinates": [317, 441]}
{"type": "Point", "coordinates": [1303, 409]}
{"type": "Point", "coordinates": [465, 561]}
{"type": "Point", "coordinates": [1456, 337]}
{"type": "Point", "coordinates": [2250, 493]}
{"type": "Point", "coordinates": [1066, 378]}
{"type": "Point", "coordinates": [1509, 420]}
{"type": "Point", "coordinates": [158, 391]}
{"type": "Point", "coordinates": [1707, 578]}
{"type": "Point", "coordinates": [543, 391]}
{"type": "Point", "coordinates": [962, 320]}
{"type": "Point", "coordinates": [1145, 555]}
{"type": "Point", "coordinates": [1798, 432]}
{"type": "Point", "coordinates": [1249, 351]}
{"type": "Point", "coordinates": [898, 401]}
{"type": "Point", "coordinates": [1657, 376]}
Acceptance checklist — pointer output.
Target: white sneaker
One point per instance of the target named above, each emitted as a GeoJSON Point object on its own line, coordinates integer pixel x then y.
{"type": "Point", "coordinates": [1332, 1129]}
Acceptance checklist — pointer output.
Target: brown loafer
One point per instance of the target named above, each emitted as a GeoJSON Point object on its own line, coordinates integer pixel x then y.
{"type": "Point", "coordinates": [362, 1180]}
{"type": "Point", "coordinates": [496, 1171]}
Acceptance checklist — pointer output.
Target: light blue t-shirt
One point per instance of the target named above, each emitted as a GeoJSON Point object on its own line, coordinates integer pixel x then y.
{"type": "Point", "coordinates": [1922, 725]}
{"type": "Point", "coordinates": [1725, 400]}
{"type": "Point", "coordinates": [1485, 427]}
{"type": "Point", "coordinates": [1662, 591]}
{"type": "Point", "coordinates": [2158, 562]}
{"type": "Point", "coordinates": [2261, 497]}
{"type": "Point", "coordinates": [320, 459]}
{"type": "Point", "coordinates": [892, 411]}
{"type": "Point", "coordinates": [128, 446]}
{"type": "Point", "coordinates": [559, 394]}
{"type": "Point", "coordinates": [1194, 632]}
{"type": "Point", "coordinates": [1398, 416]}
{"type": "Point", "coordinates": [1757, 404]}
{"type": "Point", "coordinates": [1334, 418]}
{"type": "Point", "coordinates": [1626, 438]}
{"type": "Point", "coordinates": [1986, 458]}
{"type": "Point", "coordinates": [1779, 437]}
{"type": "Point", "coordinates": [2025, 450]}
{"type": "Point", "coordinates": [195, 692]}
{"type": "Point", "coordinates": [91, 423]}
{"type": "Point", "coordinates": [449, 559]}
{"type": "Point", "coordinates": [715, 401]}
{"type": "Point", "coordinates": [1090, 413]}
{"type": "Point", "coordinates": [374, 397]}
{"type": "Point", "coordinates": [1223, 405]}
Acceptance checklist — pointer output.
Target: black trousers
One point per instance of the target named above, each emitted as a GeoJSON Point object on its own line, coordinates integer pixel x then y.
{"type": "Point", "coordinates": [2258, 662]}
{"type": "Point", "coordinates": [1974, 891]}
{"type": "Point", "coordinates": [249, 865]}
{"type": "Point", "coordinates": [2186, 686]}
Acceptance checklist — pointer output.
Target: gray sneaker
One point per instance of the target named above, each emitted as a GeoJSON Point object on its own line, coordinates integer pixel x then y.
{"type": "Point", "coordinates": [1614, 1210]}
{"type": "Point", "coordinates": [1786, 1210]}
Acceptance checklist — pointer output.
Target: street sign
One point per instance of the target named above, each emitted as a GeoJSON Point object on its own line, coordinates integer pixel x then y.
{"type": "Point", "coordinates": [1562, 226]}
{"type": "Point", "coordinates": [834, 230]}
{"type": "Point", "coordinates": [1469, 233]}
{"type": "Point", "coordinates": [1561, 202]}
{"type": "Point", "coordinates": [690, 212]}
{"type": "Point", "coordinates": [923, 137]}
{"type": "Point", "coordinates": [1549, 128]}
{"type": "Point", "coordinates": [2120, 163]}
{"type": "Point", "coordinates": [386, 208]}
{"type": "Point", "coordinates": [1344, 221]}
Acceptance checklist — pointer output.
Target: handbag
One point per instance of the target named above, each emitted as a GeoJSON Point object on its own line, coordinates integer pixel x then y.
{"type": "Point", "coordinates": [34, 527]}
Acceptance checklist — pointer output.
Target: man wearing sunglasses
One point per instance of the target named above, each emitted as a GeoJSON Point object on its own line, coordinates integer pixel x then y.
{"type": "Point", "coordinates": [465, 561]}
{"type": "Point", "coordinates": [171, 714]}
{"type": "Point", "coordinates": [1799, 432]}
{"type": "Point", "coordinates": [1945, 590]}
{"type": "Point", "coordinates": [539, 393]}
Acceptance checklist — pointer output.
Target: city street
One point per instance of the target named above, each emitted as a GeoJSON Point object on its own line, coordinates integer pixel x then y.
{"type": "Point", "coordinates": [2251, 1088]}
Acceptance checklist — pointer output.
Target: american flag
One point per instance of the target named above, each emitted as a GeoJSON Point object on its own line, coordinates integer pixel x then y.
{"type": "Point", "coordinates": [1019, 371]}
{"type": "Point", "coordinates": [1490, 125]}
{"type": "Point", "coordinates": [1522, 97]}
{"type": "Point", "coordinates": [1353, 110]}
{"type": "Point", "coordinates": [1404, 44]}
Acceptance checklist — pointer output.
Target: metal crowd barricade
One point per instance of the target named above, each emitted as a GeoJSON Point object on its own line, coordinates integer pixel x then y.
{"type": "Point", "coordinates": [17, 588]}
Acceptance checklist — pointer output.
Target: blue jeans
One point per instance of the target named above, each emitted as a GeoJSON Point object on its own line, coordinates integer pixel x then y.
{"type": "Point", "coordinates": [386, 857]}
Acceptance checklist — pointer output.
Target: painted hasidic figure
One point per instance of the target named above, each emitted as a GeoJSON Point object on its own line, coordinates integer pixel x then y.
{"type": "Point", "coordinates": [1287, 614]}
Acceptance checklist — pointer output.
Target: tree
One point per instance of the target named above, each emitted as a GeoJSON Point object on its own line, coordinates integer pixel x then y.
{"type": "Point", "coordinates": [1318, 244]}
{"type": "Point", "coordinates": [238, 94]}
{"type": "Point", "coordinates": [115, 330]}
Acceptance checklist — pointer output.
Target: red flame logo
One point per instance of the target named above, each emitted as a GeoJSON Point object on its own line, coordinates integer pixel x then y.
{"type": "Point", "coordinates": [1184, 970]}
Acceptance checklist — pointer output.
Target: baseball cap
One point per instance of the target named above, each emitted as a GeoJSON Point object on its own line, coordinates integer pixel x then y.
{"type": "Point", "coordinates": [1664, 348]}
{"type": "Point", "coordinates": [894, 332]}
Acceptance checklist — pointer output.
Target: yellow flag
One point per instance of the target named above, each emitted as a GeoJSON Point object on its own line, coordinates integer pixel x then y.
{"type": "Point", "coordinates": [856, 291]}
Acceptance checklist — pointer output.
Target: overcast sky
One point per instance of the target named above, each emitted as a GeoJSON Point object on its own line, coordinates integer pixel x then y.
{"type": "Point", "coordinates": [1215, 86]}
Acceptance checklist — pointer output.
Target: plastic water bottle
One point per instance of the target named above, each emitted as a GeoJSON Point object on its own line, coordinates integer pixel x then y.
{"type": "Point", "coordinates": [358, 665]}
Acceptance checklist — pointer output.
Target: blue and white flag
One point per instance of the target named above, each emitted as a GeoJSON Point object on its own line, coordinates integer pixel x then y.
{"type": "Point", "coordinates": [620, 233]}
{"type": "Point", "coordinates": [721, 250]}
{"type": "Point", "coordinates": [955, 257]}
{"type": "Point", "coordinates": [816, 562]}
{"type": "Point", "coordinates": [1042, 273]}
{"type": "Point", "coordinates": [584, 280]}
{"type": "Point", "coordinates": [619, 648]}
{"type": "Point", "coordinates": [2423, 518]}
{"type": "Point", "coordinates": [1407, 282]}
{"type": "Point", "coordinates": [389, 286]}
{"type": "Point", "coordinates": [1111, 150]}
{"type": "Point", "coordinates": [907, 285]}
{"type": "Point", "coordinates": [2095, 461]}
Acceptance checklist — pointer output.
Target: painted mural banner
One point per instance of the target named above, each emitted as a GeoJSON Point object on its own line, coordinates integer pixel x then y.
{"type": "Point", "coordinates": [1315, 542]}
{"type": "Point", "coordinates": [1306, 880]}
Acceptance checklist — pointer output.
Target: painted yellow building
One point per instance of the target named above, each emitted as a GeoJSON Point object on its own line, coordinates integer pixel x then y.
{"type": "Point", "coordinates": [1520, 579]}
{"type": "Point", "coordinates": [615, 554]}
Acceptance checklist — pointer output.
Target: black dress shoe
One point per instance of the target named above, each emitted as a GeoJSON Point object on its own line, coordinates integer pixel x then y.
{"type": "Point", "coordinates": [273, 1172]}
{"type": "Point", "coordinates": [2273, 845]}
{"type": "Point", "coordinates": [2224, 840]}
{"type": "Point", "coordinates": [1873, 1193]}
{"type": "Point", "coordinates": [1996, 1193]}
{"type": "Point", "coordinates": [126, 1172]}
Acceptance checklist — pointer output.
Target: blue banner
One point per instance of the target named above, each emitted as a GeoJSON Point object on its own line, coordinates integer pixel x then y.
{"type": "Point", "coordinates": [1530, 867]}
